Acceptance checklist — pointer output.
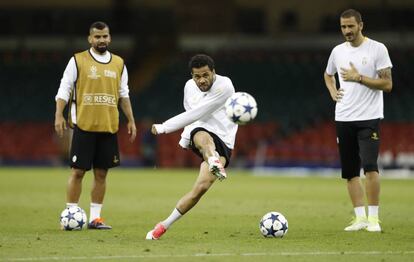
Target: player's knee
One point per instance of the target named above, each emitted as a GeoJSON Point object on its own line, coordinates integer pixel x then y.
{"type": "Point", "coordinates": [371, 175]}
{"type": "Point", "coordinates": [78, 173]}
{"type": "Point", "coordinates": [100, 175]}
{"type": "Point", "coordinates": [202, 140]}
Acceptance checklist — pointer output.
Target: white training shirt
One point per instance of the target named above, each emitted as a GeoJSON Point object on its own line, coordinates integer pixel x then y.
{"type": "Point", "coordinates": [206, 110]}
{"type": "Point", "coordinates": [359, 102]}
{"type": "Point", "coordinates": [70, 76]}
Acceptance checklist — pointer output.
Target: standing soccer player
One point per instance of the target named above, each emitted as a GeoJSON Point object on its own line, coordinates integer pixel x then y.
{"type": "Point", "coordinates": [364, 68]}
{"type": "Point", "coordinates": [208, 133]}
{"type": "Point", "coordinates": [93, 83]}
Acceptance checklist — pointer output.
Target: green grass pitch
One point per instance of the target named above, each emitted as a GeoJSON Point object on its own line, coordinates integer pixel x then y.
{"type": "Point", "coordinates": [222, 227]}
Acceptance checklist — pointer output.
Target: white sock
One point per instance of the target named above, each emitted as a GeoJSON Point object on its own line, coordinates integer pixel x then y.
{"type": "Point", "coordinates": [360, 211]}
{"type": "Point", "coordinates": [373, 211]}
{"type": "Point", "coordinates": [71, 204]}
{"type": "Point", "coordinates": [175, 215]}
{"type": "Point", "coordinates": [95, 211]}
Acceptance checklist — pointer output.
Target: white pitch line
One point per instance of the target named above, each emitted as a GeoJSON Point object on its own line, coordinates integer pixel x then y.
{"type": "Point", "coordinates": [320, 253]}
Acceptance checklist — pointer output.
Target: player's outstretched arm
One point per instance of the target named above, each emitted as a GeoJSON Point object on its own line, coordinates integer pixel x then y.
{"type": "Point", "coordinates": [204, 108]}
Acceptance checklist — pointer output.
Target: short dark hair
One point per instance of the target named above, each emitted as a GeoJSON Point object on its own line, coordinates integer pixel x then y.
{"type": "Point", "coordinates": [98, 25]}
{"type": "Point", "coordinates": [352, 13]}
{"type": "Point", "coordinates": [201, 60]}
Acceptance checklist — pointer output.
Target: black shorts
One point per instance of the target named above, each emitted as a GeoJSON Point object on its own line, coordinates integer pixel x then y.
{"type": "Point", "coordinates": [358, 144]}
{"type": "Point", "coordinates": [96, 149]}
{"type": "Point", "coordinates": [221, 147]}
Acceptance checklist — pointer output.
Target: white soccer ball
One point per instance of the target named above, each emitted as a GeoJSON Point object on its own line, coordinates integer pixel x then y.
{"type": "Point", "coordinates": [273, 224]}
{"type": "Point", "coordinates": [73, 218]}
{"type": "Point", "coordinates": [241, 108]}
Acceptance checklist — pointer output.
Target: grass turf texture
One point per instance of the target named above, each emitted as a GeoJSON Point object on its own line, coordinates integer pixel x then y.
{"type": "Point", "coordinates": [222, 227]}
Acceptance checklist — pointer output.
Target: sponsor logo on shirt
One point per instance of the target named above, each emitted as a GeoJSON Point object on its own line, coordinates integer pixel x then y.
{"type": "Point", "coordinates": [99, 99]}
{"type": "Point", "coordinates": [364, 60]}
{"type": "Point", "coordinates": [109, 73]}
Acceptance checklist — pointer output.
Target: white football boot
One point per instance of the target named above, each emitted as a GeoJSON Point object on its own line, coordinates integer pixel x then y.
{"type": "Point", "coordinates": [358, 223]}
{"type": "Point", "coordinates": [373, 224]}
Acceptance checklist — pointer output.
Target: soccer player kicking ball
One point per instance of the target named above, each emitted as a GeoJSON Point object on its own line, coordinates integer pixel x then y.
{"type": "Point", "coordinates": [207, 132]}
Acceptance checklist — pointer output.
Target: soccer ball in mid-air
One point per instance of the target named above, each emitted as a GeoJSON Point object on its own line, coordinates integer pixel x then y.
{"type": "Point", "coordinates": [73, 218]}
{"type": "Point", "coordinates": [273, 224]}
{"type": "Point", "coordinates": [241, 108]}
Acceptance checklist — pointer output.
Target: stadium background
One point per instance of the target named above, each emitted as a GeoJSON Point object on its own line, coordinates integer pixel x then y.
{"type": "Point", "coordinates": [275, 50]}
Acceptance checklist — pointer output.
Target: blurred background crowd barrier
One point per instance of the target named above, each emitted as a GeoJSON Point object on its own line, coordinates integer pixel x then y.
{"type": "Point", "coordinates": [275, 50]}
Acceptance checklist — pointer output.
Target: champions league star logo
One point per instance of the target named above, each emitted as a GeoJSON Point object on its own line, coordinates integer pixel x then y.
{"type": "Point", "coordinates": [93, 73]}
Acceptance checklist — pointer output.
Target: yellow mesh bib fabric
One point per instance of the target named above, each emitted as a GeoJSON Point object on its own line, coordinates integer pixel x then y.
{"type": "Point", "coordinates": [97, 93]}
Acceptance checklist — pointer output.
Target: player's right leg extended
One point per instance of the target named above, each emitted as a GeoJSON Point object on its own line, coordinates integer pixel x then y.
{"type": "Point", "coordinates": [204, 181]}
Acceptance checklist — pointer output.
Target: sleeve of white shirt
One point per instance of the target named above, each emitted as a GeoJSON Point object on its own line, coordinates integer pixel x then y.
{"type": "Point", "coordinates": [383, 59]}
{"type": "Point", "coordinates": [331, 68]}
{"type": "Point", "coordinates": [67, 82]}
{"type": "Point", "coordinates": [123, 88]}
{"type": "Point", "coordinates": [211, 103]}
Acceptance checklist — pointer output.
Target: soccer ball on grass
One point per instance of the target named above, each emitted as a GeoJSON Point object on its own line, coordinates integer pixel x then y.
{"type": "Point", "coordinates": [241, 108]}
{"type": "Point", "coordinates": [73, 218]}
{"type": "Point", "coordinates": [273, 224]}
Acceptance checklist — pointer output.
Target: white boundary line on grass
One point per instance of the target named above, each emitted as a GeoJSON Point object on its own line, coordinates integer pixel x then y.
{"type": "Point", "coordinates": [319, 253]}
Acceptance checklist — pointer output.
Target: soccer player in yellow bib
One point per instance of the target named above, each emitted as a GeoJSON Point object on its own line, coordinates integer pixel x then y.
{"type": "Point", "coordinates": [95, 81]}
